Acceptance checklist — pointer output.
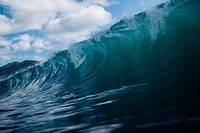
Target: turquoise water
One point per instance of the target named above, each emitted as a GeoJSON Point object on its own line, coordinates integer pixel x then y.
{"type": "Point", "coordinates": [141, 75]}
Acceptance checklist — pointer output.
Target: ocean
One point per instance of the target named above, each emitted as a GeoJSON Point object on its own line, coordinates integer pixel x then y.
{"type": "Point", "coordinates": [140, 75]}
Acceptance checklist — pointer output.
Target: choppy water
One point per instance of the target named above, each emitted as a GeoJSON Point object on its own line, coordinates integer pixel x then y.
{"type": "Point", "coordinates": [141, 75]}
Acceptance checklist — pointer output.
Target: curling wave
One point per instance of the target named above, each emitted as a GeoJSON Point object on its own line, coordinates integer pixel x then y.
{"type": "Point", "coordinates": [142, 73]}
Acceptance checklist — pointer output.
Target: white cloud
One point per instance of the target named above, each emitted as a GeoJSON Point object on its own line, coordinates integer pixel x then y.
{"type": "Point", "coordinates": [6, 24]}
{"type": "Point", "coordinates": [100, 2]}
{"type": "Point", "coordinates": [59, 17]}
{"type": "Point", "coordinates": [62, 21]}
{"type": "Point", "coordinates": [21, 46]}
{"type": "Point", "coordinates": [5, 54]}
{"type": "Point", "coordinates": [4, 42]}
{"type": "Point", "coordinates": [25, 37]}
{"type": "Point", "coordinates": [5, 50]}
{"type": "Point", "coordinates": [25, 42]}
{"type": "Point", "coordinates": [78, 26]}
{"type": "Point", "coordinates": [39, 43]}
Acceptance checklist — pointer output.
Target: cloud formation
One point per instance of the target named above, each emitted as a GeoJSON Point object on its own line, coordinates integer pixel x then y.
{"type": "Point", "coordinates": [64, 21]}
{"type": "Point", "coordinates": [20, 46]}
{"type": "Point", "coordinates": [60, 17]}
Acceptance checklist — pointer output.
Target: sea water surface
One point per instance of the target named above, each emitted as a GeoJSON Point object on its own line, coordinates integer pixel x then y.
{"type": "Point", "coordinates": [141, 75]}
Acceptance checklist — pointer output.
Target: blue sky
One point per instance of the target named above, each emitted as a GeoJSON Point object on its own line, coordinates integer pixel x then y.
{"type": "Point", "coordinates": [36, 29]}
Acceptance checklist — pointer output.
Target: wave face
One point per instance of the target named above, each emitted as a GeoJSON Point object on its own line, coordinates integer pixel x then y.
{"type": "Point", "coordinates": [141, 75]}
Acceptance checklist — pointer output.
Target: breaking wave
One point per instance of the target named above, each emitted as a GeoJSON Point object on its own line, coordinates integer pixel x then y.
{"type": "Point", "coordinates": [141, 74]}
